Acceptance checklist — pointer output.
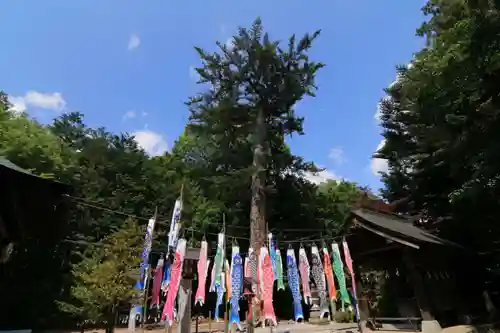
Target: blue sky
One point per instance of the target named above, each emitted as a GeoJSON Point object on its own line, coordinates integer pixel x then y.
{"type": "Point", "coordinates": [127, 65]}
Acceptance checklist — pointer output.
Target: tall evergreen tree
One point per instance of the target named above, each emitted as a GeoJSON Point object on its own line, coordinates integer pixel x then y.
{"type": "Point", "coordinates": [248, 111]}
{"type": "Point", "coordinates": [441, 126]}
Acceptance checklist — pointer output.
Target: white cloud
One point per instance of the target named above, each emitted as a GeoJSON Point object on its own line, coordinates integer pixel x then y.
{"type": "Point", "coordinates": [337, 155]}
{"type": "Point", "coordinates": [48, 101]}
{"type": "Point", "coordinates": [320, 177]}
{"type": "Point", "coordinates": [144, 114]}
{"type": "Point", "coordinates": [378, 165]}
{"type": "Point", "coordinates": [133, 42]}
{"type": "Point", "coordinates": [153, 143]}
{"type": "Point", "coordinates": [129, 115]}
{"type": "Point", "coordinates": [18, 104]}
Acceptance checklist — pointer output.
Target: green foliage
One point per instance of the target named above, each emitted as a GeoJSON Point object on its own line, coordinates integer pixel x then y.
{"type": "Point", "coordinates": [4, 106]}
{"type": "Point", "coordinates": [441, 126]}
{"type": "Point", "coordinates": [254, 74]}
{"type": "Point", "coordinates": [344, 316]}
{"type": "Point", "coordinates": [237, 129]}
{"type": "Point", "coordinates": [106, 170]}
{"type": "Point", "coordinates": [104, 276]}
{"type": "Point", "coordinates": [91, 269]}
{"type": "Point", "coordinates": [111, 170]}
{"type": "Point", "coordinates": [31, 146]}
{"type": "Point", "coordinates": [335, 201]}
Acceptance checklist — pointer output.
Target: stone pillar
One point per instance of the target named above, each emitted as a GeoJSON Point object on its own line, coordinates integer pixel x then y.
{"type": "Point", "coordinates": [184, 303]}
{"type": "Point", "coordinates": [429, 323]}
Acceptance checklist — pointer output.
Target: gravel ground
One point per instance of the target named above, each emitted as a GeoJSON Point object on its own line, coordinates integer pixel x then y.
{"type": "Point", "coordinates": [282, 327]}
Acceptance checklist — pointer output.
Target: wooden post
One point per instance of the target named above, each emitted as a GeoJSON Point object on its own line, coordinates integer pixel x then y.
{"type": "Point", "coordinates": [146, 294]}
{"type": "Point", "coordinates": [418, 287]}
{"type": "Point", "coordinates": [429, 323]}
{"type": "Point", "coordinates": [184, 312]}
{"type": "Point", "coordinates": [226, 318]}
{"type": "Point", "coordinates": [209, 321]}
{"type": "Point", "coordinates": [333, 311]}
{"type": "Point", "coordinates": [249, 317]}
{"type": "Point", "coordinates": [362, 306]}
{"type": "Point", "coordinates": [363, 302]}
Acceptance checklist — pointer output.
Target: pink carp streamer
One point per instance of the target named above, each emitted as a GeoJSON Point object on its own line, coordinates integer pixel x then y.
{"type": "Point", "coordinates": [175, 280]}
{"type": "Point", "coordinates": [348, 262]}
{"type": "Point", "coordinates": [228, 279]}
{"type": "Point", "coordinates": [267, 286]}
{"type": "Point", "coordinates": [246, 268]}
{"type": "Point", "coordinates": [260, 268]}
{"type": "Point", "coordinates": [203, 264]}
{"type": "Point", "coordinates": [304, 275]}
{"type": "Point", "coordinates": [158, 276]}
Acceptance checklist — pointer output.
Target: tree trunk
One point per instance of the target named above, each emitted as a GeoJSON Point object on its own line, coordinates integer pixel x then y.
{"type": "Point", "coordinates": [110, 326]}
{"type": "Point", "coordinates": [258, 203]}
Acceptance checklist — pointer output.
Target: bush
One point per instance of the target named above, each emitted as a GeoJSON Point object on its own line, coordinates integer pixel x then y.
{"type": "Point", "coordinates": [343, 317]}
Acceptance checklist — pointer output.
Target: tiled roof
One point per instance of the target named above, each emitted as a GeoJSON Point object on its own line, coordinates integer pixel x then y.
{"type": "Point", "coordinates": [11, 166]}
{"type": "Point", "coordinates": [398, 226]}
{"type": "Point", "coordinates": [8, 164]}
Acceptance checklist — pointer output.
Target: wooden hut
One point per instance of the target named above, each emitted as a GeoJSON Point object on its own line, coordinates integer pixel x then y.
{"type": "Point", "coordinates": [32, 208]}
{"type": "Point", "coordinates": [405, 275]}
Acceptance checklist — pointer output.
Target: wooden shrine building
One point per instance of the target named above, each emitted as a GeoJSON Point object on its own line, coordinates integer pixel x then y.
{"type": "Point", "coordinates": [32, 208]}
{"type": "Point", "coordinates": [404, 274]}
{"type": "Point", "coordinates": [33, 219]}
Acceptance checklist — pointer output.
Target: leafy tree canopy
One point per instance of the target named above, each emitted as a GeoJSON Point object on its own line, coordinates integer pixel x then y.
{"type": "Point", "coordinates": [441, 123]}
{"type": "Point", "coordinates": [105, 273]}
